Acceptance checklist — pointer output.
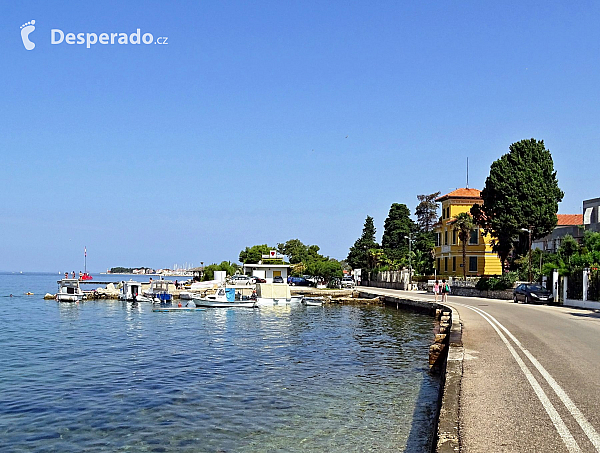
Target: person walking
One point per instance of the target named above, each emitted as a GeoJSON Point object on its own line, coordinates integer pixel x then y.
{"type": "Point", "coordinates": [445, 291]}
{"type": "Point", "coordinates": [436, 290]}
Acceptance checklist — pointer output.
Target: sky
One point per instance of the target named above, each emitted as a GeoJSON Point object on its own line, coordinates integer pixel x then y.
{"type": "Point", "coordinates": [264, 121]}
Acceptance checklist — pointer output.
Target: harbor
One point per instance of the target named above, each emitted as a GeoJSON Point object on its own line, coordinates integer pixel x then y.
{"type": "Point", "coordinates": [292, 378]}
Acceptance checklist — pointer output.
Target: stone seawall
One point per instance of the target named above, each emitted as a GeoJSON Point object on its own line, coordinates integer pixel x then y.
{"type": "Point", "coordinates": [446, 356]}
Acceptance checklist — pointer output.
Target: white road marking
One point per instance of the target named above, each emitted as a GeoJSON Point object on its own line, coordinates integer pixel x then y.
{"type": "Point", "coordinates": [560, 426]}
{"type": "Point", "coordinates": [586, 426]}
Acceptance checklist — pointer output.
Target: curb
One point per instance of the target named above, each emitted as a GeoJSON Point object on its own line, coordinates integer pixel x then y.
{"type": "Point", "coordinates": [447, 426]}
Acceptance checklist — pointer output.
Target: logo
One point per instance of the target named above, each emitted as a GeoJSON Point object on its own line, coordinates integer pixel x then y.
{"type": "Point", "coordinates": [26, 30]}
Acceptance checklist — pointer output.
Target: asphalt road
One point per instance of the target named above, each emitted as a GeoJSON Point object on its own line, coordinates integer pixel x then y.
{"type": "Point", "coordinates": [531, 380]}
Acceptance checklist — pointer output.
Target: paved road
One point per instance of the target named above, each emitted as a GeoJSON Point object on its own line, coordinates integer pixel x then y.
{"type": "Point", "coordinates": [531, 379]}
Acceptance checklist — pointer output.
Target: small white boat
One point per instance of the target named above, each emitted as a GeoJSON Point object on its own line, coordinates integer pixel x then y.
{"type": "Point", "coordinates": [69, 290]}
{"type": "Point", "coordinates": [269, 294]}
{"type": "Point", "coordinates": [133, 291]}
{"type": "Point", "coordinates": [223, 298]}
{"type": "Point", "coordinates": [313, 301]}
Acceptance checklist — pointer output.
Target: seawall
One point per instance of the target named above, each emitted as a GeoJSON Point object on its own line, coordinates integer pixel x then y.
{"type": "Point", "coordinates": [449, 363]}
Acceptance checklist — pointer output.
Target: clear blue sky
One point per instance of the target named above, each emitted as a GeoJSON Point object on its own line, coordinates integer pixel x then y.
{"type": "Point", "coordinates": [234, 133]}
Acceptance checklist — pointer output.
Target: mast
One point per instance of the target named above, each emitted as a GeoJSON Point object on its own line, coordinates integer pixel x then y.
{"type": "Point", "coordinates": [467, 172]}
{"type": "Point", "coordinates": [84, 259]}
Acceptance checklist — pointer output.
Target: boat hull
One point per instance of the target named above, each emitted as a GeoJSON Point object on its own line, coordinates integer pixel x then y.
{"type": "Point", "coordinates": [274, 301]}
{"type": "Point", "coordinates": [223, 304]}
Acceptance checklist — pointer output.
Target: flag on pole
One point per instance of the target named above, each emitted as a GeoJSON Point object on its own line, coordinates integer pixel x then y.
{"type": "Point", "coordinates": [85, 251]}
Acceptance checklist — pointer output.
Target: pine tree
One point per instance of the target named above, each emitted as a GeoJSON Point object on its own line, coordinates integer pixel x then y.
{"type": "Point", "coordinates": [358, 256]}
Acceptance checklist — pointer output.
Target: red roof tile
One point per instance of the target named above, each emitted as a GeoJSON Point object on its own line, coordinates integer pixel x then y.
{"type": "Point", "coordinates": [569, 219]}
{"type": "Point", "coordinates": [461, 193]}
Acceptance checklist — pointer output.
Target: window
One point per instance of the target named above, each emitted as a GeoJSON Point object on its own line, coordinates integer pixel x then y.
{"type": "Point", "coordinates": [448, 212]}
{"type": "Point", "coordinates": [446, 264]}
{"type": "Point", "coordinates": [453, 264]}
{"type": "Point", "coordinates": [438, 265]}
{"type": "Point", "coordinates": [472, 264]}
{"type": "Point", "coordinates": [438, 237]}
{"type": "Point", "coordinates": [453, 236]}
{"type": "Point", "coordinates": [446, 237]}
{"type": "Point", "coordinates": [474, 237]}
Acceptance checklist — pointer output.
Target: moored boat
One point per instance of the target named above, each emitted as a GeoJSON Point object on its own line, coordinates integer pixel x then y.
{"type": "Point", "coordinates": [69, 290]}
{"type": "Point", "coordinates": [313, 301]}
{"type": "Point", "coordinates": [224, 298]}
{"type": "Point", "coordinates": [269, 294]}
{"type": "Point", "coordinates": [132, 290]}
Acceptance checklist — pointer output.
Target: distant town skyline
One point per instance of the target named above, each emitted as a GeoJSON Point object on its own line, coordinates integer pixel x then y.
{"type": "Point", "coordinates": [266, 121]}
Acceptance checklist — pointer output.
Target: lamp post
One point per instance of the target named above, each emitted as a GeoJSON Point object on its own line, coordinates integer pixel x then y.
{"type": "Point", "coordinates": [529, 231]}
{"type": "Point", "coordinates": [409, 237]}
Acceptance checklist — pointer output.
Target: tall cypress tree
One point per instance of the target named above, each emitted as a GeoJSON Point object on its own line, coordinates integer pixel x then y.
{"type": "Point", "coordinates": [358, 256]}
{"type": "Point", "coordinates": [397, 227]}
{"type": "Point", "coordinates": [520, 192]}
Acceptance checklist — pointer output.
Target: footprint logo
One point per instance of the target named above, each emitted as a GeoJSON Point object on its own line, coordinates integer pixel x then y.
{"type": "Point", "coordinates": [26, 29]}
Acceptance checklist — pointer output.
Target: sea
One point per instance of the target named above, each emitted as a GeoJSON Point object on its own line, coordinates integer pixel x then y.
{"type": "Point", "coordinates": [108, 376]}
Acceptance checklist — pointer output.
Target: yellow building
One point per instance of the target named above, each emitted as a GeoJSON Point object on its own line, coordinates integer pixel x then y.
{"type": "Point", "coordinates": [480, 259]}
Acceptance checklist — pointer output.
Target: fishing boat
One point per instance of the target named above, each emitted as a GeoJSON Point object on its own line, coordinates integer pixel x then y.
{"type": "Point", "coordinates": [269, 294]}
{"type": "Point", "coordinates": [132, 291]}
{"type": "Point", "coordinates": [224, 298]}
{"type": "Point", "coordinates": [313, 301]}
{"type": "Point", "coordinates": [69, 290]}
{"type": "Point", "coordinates": [159, 291]}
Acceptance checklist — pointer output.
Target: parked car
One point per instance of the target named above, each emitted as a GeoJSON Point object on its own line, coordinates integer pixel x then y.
{"type": "Point", "coordinates": [242, 279]}
{"type": "Point", "coordinates": [298, 281]}
{"type": "Point", "coordinates": [532, 292]}
{"type": "Point", "coordinates": [259, 280]}
{"type": "Point", "coordinates": [278, 279]}
{"type": "Point", "coordinates": [347, 282]}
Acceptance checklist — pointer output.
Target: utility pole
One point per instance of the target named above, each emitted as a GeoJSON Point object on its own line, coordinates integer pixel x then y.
{"type": "Point", "coordinates": [530, 254]}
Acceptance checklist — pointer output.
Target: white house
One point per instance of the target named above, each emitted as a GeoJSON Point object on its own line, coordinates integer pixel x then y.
{"type": "Point", "coordinates": [268, 271]}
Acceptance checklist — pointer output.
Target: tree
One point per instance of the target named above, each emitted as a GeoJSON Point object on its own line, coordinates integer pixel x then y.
{"type": "Point", "coordinates": [463, 222]}
{"type": "Point", "coordinates": [209, 271]}
{"type": "Point", "coordinates": [252, 255]}
{"type": "Point", "coordinates": [397, 228]}
{"type": "Point", "coordinates": [295, 250]}
{"type": "Point", "coordinates": [423, 246]}
{"type": "Point", "coordinates": [324, 269]}
{"type": "Point", "coordinates": [358, 256]}
{"type": "Point", "coordinates": [426, 211]}
{"type": "Point", "coordinates": [520, 192]}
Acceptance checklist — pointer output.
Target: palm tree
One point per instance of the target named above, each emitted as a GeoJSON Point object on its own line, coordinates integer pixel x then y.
{"type": "Point", "coordinates": [463, 222]}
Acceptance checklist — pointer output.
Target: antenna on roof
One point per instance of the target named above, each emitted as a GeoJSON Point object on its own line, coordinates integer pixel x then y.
{"type": "Point", "coordinates": [467, 172]}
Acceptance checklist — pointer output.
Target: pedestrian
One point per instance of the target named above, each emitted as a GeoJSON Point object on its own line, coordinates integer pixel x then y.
{"type": "Point", "coordinates": [445, 291]}
{"type": "Point", "coordinates": [66, 275]}
{"type": "Point", "coordinates": [73, 274]}
{"type": "Point", "coordinates": [176, 285]}
{"type": "Point", "coordinates": [436, 290]}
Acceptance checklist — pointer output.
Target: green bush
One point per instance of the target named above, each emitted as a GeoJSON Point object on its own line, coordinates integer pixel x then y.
{"type": "Point", "coordinates": [500, 283]}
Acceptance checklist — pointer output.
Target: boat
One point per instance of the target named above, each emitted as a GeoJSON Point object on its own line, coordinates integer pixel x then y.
{"type": "Point", "coordinates": [269, 294]}
{"type": "Point", "coordinates": [132, 290]}
{"type": "Point", "coordinates": [159, 291]}
{"type": "Point", "coordinates": [224, 298]}
{"type": "Point", "coordinates": [69, 290]}
{"type": "Point", "coordinates": [313, 301]}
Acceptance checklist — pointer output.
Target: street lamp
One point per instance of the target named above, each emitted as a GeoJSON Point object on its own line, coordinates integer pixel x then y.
{"type": "Point", "coordinates": [529, 231]}
{"type": "Point", "coordinates": [409, 237]}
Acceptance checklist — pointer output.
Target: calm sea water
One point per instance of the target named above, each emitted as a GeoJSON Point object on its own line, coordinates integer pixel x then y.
{"type": "Point", "coordinates": [103, 376]}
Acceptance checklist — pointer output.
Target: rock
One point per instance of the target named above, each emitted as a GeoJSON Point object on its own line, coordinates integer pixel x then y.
{"type": "Point", "coordinates": [49, 296]}
{"type": "Point", "coordinates": [440, 338]}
